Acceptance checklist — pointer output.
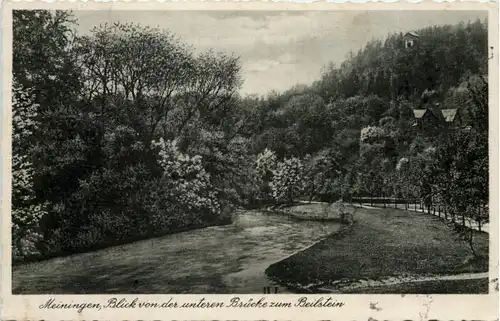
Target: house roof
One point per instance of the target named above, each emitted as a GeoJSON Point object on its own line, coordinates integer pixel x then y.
{"type": "Point", "coordinates": [449, 114]}
{"type": "Point", "coordinates": [419, 113]}
{"type": "Point", "coordinates": [413, 34]}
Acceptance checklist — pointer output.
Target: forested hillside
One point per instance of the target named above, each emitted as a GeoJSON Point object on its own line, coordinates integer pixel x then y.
{"type": "Point", "coordinates": [357, 121]}
{"type": "Point", "coordinates": [128, 133]}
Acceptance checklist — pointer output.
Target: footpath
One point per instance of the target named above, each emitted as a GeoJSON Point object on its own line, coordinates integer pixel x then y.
{"type": "Point", "coordinates": [470, 223]}
{"type": "Point", "coordinates": [401, 280]}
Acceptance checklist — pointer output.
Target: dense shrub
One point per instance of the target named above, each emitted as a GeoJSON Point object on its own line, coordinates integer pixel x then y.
{"type": "Point", "coordinates": [27, 210]}
{"type": "Point", "coordinates": [287, 182]}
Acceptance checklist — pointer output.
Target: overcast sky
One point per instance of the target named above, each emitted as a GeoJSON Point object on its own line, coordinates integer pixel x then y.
{"type": "Point", "coordinates": [280, 49]}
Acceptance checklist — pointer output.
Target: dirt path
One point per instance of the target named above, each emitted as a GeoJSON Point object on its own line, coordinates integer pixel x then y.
{"type": "Point", "coordinates": [401, 280]}
{"type": "Point", "coordinates": [219, 259]}
{"type": "Point", "coordinates": [414, 208]}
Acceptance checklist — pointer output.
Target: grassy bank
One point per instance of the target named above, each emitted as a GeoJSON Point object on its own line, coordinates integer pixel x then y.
{"type": "Point", "coordinates": [305, 211]}
{"type": "Point", "coordinates": [382, 243]}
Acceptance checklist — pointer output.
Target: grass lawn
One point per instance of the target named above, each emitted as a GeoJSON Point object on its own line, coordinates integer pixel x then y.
{"type": "Point", "coordinates": [382, 243]}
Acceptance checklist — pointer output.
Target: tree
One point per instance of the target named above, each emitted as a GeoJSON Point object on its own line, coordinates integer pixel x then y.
{"type": "Point", "coordinates": [375, 107]}
{"type": "Point", "coordinates": [43, 58]}
{"type": "Point", "coordinates": [146, 66]}
{"type": "Point", "coordinates": [322, 175]}
{"type": "Point", "coordinates": [187, 182]}
{"type": "Point", "coordinates": [479, 143]}
{"type": "Point", "coordinates": [265, 165]}
{"type": "Point", "coordinates": [98, 102]}
{"type": "Point", "coordinates": [287, 181]}
{"type": "Point", "coordinates": [455, 184]}
{"type": "Point", "coordinates": [227, 161]}
{"type": "Point", "coordinates": [462, 181]}
{"type": "Point", "coordinates": [27, 210]}
{"type": "Point", "coordinates": [405, 182]}
{"type": "Point", "coordinates": [167, 84]}
{"type": "Point", "coordinates": [45, 87]}
{"type": "Point", "coordinates": [148, 81]}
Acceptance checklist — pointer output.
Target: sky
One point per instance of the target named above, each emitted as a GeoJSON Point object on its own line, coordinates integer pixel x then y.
{"type": "Point", "coordinates": [280, 49]}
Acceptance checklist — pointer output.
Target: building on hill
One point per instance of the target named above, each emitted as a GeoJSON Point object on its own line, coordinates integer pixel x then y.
{"type": "Point", "coordinates": [411, 39]}
{"type": "Point", "coordinates": [432, 117]}
{"type": "Point", "coordinates": [424, 117]}
{"type": "Point", "coordinates": [452, 117]}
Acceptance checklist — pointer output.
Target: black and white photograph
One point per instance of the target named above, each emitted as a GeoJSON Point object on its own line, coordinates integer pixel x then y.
{"type": "Point", "coordinates": [250, 152]}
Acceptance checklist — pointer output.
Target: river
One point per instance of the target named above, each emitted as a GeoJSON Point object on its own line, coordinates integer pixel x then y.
{"type": "Point", "coordinates": [219, 259]}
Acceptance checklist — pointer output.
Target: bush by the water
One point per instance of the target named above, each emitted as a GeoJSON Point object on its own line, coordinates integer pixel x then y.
{"type": "Point", "coordinates": [99, 160]}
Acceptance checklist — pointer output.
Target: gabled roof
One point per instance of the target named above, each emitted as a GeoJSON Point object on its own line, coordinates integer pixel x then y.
{"type": "Point", "coordinates": [419, 113]}
{"type": "Point", "coordinates": [449, 114]}
{"type": "Point", "coordinates": [413, 34]}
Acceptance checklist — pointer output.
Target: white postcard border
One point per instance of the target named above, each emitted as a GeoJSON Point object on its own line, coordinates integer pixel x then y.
{"type": "Point", "coordinates": [357, 307]}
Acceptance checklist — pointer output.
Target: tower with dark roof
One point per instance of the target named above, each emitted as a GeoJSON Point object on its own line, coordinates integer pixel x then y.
{"type": "Point", "coordinates": [411, 40]}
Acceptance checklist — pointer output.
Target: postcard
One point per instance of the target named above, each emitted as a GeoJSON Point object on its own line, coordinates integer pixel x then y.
{"type": "Point", "coordinates": [249, 161]}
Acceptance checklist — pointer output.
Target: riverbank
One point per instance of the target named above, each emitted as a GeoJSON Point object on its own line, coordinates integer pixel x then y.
{"type": "Point", "coordinates": [120, 242]}
{"type": "Point", "coordinates": [384, 243]}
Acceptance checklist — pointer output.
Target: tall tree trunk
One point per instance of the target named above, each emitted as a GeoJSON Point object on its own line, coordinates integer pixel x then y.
{"type": "Point", "coordinates": [470, 240]}
{"type": "Point", "coordinates": [311, 195]}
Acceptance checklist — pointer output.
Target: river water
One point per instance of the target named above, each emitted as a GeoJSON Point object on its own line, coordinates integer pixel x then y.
{"type": "Point", "coordinates": [218, 259]}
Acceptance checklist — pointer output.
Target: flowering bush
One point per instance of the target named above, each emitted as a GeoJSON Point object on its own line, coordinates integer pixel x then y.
{"type": "Point", "coordinates": [26, 212]}
{"type": "Point", "coordinates": [189, 183]}
{"type": "Point", "coordinates": [266, 162]}
{"type": "Point", "coordinates": [287, 182]}
{"type": "Point", "coordinates": [371, 133]}
{"type": "Point", "coordinates": [264, 166]}
{"type": "Point", "coordinates": [227, 162]}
